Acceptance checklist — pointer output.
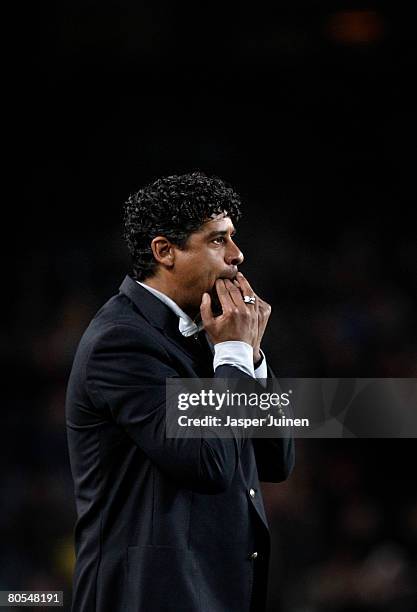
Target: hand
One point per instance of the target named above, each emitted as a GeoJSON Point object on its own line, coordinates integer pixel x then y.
{"type": "Point", "coordinates": [264, 312]}
{"type": "Point", "coordinates": [238, 321]}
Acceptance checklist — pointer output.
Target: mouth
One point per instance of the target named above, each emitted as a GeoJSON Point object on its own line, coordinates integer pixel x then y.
{"type": "Point", "coordinates": [231, 275]}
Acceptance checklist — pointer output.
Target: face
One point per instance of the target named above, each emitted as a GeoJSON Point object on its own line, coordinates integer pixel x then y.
{"type": "Point", "coordinates": [210, 253]}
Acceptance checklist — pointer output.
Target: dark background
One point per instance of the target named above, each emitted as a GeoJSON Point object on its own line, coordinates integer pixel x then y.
{"type": "Point", "coordinates": [307, 109]}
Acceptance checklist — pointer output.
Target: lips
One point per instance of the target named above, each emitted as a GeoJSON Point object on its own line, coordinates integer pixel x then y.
{"type": "Point", "coordinates": [230, 275]}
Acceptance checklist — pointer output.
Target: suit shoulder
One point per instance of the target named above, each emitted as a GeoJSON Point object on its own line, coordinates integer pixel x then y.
{"type": "Point", "coordinates": [117, 321]}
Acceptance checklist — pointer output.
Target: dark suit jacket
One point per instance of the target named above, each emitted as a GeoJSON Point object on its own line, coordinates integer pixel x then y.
{"type": "Point", "coordinates": [163, 524]}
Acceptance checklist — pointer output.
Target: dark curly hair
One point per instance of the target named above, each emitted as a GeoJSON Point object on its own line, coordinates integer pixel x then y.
{"type": "Point", "coordinates": [174, 207]}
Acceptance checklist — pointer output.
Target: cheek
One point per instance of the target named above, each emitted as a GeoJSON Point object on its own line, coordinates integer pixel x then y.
{"type": "Point", "coordinates": [201, 276]}
{"type": "Point", "coordinates": [204, 270]}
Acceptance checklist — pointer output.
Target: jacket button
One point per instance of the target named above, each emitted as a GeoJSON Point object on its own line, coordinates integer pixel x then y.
{"type": "Point", "coordinates": [253, 556]}
{"type": "Point", "coordinates": [252, 493]}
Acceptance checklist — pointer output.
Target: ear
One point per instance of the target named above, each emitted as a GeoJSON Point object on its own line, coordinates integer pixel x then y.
{"type": "Point", "coordinates": [163, 251]}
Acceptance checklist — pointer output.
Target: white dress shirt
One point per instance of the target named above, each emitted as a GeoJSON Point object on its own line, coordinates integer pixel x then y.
{"type": "Point", "coordinates": [233, 352]}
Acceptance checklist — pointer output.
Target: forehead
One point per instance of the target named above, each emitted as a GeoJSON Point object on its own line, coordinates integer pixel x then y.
{"type": "Point", "coordinates": [218, 224]}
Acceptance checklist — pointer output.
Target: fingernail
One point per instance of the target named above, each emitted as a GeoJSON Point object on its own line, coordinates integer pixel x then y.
{"type": "Point", "coordinates": [239, 274]}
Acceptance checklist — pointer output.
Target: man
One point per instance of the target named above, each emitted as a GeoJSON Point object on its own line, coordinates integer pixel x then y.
{"type": "Point", "coordinates": [170, 524]}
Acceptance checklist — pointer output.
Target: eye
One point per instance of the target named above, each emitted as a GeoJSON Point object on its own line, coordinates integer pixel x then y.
{"type": "Point", "coordinates": [219, 240]}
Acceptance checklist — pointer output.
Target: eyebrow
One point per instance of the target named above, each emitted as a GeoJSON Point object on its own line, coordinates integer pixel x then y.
{"type": "Point", "coordinates": [220, 233]}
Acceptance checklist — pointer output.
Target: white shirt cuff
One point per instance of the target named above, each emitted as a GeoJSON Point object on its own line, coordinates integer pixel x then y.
{"type": "Point", "coordinates": [262, 370]}
{"type": "Point", "coordinates": [235, 353]}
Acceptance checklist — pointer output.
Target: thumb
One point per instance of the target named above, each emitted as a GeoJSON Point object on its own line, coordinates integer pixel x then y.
{"type": "Point", "coordinates": [205, 309]}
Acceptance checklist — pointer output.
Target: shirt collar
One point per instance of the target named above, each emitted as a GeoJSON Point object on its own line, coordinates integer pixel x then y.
{"type": "Point", "coordinates": [186, 325]}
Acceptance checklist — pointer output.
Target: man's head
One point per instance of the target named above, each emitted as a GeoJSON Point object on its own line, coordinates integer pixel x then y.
{"type": "Point", "coordinates": [179, 231]}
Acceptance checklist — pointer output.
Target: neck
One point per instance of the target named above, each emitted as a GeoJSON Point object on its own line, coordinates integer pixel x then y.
{"type": "Point", "coordinates": [175, 293]}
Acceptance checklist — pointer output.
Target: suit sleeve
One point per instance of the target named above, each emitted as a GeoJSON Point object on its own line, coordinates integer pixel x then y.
{"type": "Point", "coordinates": [275, 457]}
{"type": "Point", "coordinates": [125, 376]}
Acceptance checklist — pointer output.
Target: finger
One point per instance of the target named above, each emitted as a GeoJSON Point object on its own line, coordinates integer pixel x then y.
{"type": "Point", "coordinates": [205, 309]}
{"type": "Point", "coordinates": [235, 294]}
{"type": "Point", "coordinates": [224, 296]}
{"type": "Point", "coordinates": [244, 285]}
{"type": "Point", "coordinates": [248, 291]}
{"type": "Point", "coordinates": [264, 307]}
{"type": "Point", "coordinates": [237, 285]}
{"type": "Point", "coordinates": [257, 306]}
{"type": "Point", "coordinates": [242, 293]}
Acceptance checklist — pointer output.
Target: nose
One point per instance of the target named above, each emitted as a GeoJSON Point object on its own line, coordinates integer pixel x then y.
{"type": "Point", "coordinates": [234, 256]}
